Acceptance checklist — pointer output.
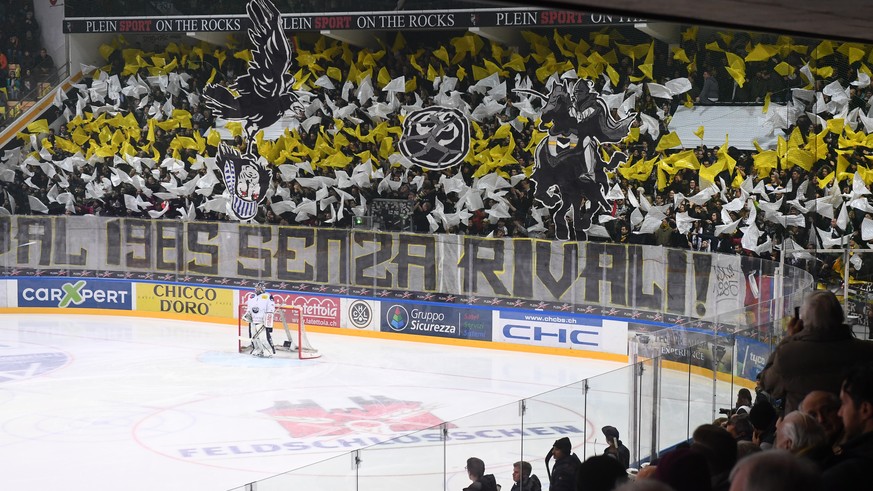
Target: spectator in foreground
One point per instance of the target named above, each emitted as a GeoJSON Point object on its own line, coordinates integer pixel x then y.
{"type": "Point", "coordinates": [815, 354]}
{"type": "Point", "coordinates": [775, 470]}
{"type": "Point", "coordinates": [803, 436]}
{"type": "Point", "coordinates": [616, 448]}
{"type": "Point", "coordinates": [481, 481]}
{"type": "Point", "coordinates": [563, 476]}
{"type": "Point", "coordinates": [825, 408]}
{"type": "Point", "coordinates": [600, 473]}
{"type": "Point", "coordinates": [522, 478]}
{"type": "Point", "coordinates": [850, 468]}
{"type": "Point", "coordinates": [720, 449]}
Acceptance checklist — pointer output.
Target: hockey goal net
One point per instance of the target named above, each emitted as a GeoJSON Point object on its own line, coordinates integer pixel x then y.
{"type": "Point", "coordinates": [289, 332]}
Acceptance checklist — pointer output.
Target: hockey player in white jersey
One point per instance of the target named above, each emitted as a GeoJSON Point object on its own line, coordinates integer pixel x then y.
{"type": "Point", "coordinates": [260, 310]}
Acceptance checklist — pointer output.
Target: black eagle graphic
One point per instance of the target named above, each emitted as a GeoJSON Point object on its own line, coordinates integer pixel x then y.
{"type": "Point", "coordinates": [266, 91]}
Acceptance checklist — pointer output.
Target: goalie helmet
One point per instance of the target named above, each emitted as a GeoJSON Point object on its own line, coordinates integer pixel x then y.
{"type": "Point", "coordinates": [260, 288]}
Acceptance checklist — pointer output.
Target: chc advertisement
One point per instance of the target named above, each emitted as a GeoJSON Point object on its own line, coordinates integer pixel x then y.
{"type": "Point", "coordinates": [436, 320]}
{"type": "Point", "coordinates": [185, 299]}
{"type": "Point", "coordinates": [74, 294]}
{"type": "Point", "coordinates": [555, 330]}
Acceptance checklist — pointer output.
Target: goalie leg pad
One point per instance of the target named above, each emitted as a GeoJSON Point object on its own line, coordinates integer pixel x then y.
{"type": "Point", "coordinates": [260, 343]}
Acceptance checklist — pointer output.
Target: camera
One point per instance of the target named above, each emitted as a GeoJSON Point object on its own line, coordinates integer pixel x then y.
{"type": "Point", "coordinates": [726, 411]}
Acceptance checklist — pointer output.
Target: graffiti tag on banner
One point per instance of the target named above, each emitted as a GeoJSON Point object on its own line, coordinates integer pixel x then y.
{"type": "Point", "coordinates": [184, 299]}
{"type": "Point", "coordinates": [317, 310]}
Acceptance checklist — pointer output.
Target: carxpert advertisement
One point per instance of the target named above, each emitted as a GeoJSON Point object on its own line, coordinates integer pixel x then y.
{"type": "Point", "coordinates": [75, 294]}
{"type": "Point", "coordinates": [185, 299]}
{"type": "Point", "coordinates": [426, 319]}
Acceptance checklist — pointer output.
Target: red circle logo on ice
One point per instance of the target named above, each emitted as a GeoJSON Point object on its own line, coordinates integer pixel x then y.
{"type": "Point", "coordinates": [24, 362]}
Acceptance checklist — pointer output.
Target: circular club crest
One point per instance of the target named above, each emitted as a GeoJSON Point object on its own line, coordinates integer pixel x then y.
{"type": "Point", "coordinates": [435, 137]}
{"type": "Point", "coordinates": [360, 314]}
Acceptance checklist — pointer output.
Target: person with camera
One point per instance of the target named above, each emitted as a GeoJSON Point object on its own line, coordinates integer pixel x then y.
{"type": "Point", "coordinates": [818, 349]}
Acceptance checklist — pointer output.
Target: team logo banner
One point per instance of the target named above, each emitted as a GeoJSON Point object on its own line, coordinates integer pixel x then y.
{"type": "Point", "coordinates": [435, 138]}
{"type": "Point", "coordinates": [571, 175]}
{"type": "Point", "coordinates": [258, 99]}
{"type": "Point", "coordinates": [74, 294]}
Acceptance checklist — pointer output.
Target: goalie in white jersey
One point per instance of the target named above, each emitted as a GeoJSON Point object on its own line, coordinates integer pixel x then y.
{"type": "Point", "coordinates": [260, 310]}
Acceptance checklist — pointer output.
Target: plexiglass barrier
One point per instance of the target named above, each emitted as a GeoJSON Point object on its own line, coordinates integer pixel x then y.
{"type": "Point", "coordinates": [696, 327]}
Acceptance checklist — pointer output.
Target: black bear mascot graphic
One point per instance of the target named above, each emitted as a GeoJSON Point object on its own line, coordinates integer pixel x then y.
{"type": "Point", "coordinates": [259, 98]}
{"type": "Point", "coordinates": [569, 164]}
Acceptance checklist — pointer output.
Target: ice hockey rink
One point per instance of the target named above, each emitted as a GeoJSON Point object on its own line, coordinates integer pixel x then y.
{"type": "Point", "coordinates": [101, 402]}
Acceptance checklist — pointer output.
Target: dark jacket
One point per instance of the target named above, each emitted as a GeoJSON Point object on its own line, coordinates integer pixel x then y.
{"type": "Point", "coordinates": [850, 469]}
{"type": "Point", "coordinates": [563, 476]}
{"type": "Point", "coordinates": [813, 359]}
{"type": "Point", "coordinates": [620, 453]}
{"type": "Point", "coordinates": [532, 483]}
{"type": "Point", "coordinates": [487, 483]}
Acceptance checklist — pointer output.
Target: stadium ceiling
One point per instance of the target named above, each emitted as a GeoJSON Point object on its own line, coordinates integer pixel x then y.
{"type": "Point", "coordinates": [849, 20]}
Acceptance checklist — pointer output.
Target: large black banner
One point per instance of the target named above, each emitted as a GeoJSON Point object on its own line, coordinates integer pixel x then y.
{"type": "Point", "coordinates": [449, 268]}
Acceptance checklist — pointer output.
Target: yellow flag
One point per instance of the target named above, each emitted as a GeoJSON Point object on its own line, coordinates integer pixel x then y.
{"type": "Point", "coordinates": [835, 125]}
{"type": "Point", "coordinates": [235, 128]}
{"type": "Point", "coordinates": [386, 148]}
{"type": "Point", "coordinates": [601, 40]}
{"type": "Point", "coordinates": [823, 183]}
{"type": "Point", "coordinates": [213, 138]}
{"type": "Point", "coordinates": [613, 75]}
{"type": "Point", "coordinates": [764, 162]}
{"type": "Point", "coordinates": [399, 42]}
{"type": "Point", "coordinates": [670, 140]}
{"type": "Point", "coordinates": [699, 133]}
{"type": "Point", "coordinates": [800, 158]}
{"type": "Point", "coordinates": [516, 62]}
{"type": "Point", "coordinates": [766, 103]}
{"type": "Point", "coordinates": [384, 78]}
{"type": "Point", "coordinates": [211, 77]}
{"type": "Point", "coordinates": [855, 54]}
{"type": "Point", "coordinates": [784, 69]}
{"type": "Point", "coordinates": [761, 52]}
{"type": "Point", "coordinates": [690, 34]}
{"type": "Point", "coordinates": [442, 54]}
{"type": "Point", "coordinates": [245, 55]}
{"type": "Point", "coordinates": [412, 84]}
{"type": "Point", "coordinates": [105, 51]}
{"type": "Point", "coordinates": [709, 174]}
{"type": "Point", "coordinates": [680, 55]}
{"type": "Point", "coordinates": [713, 46]}
{"type": "Point", "coordinates": [824, 48]}
{"type": "Point", "coordinates": [38, 126]}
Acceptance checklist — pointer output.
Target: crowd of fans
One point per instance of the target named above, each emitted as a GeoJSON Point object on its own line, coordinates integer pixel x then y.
{"type": "Point", "coordinates": [808, 428]}
{"type": "Point", "coordinates": [137, 141]}
{"type": "Point", "coordinates": [24, 63]}
{"type": "Point", "coordinates": [139, 133]}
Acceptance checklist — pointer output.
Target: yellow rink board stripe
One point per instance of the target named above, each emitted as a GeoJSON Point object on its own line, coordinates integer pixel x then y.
{"type": "Point", "coordinates": [594, 355]}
